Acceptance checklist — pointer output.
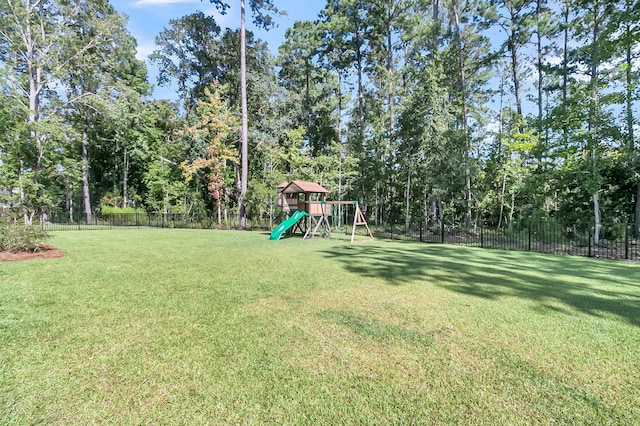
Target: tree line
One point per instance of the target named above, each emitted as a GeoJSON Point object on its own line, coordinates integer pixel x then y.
{"type": "Point", "coordinates": [469, 111]}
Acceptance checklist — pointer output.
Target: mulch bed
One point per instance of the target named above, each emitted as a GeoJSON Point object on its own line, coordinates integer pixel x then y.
{"type": "Point", "coordinates": [45, 252]}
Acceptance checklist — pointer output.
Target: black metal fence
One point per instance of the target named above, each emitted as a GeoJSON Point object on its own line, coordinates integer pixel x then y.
{"type": "Point", "coordinates": [63, 222]}
{"type": "Point", "coordinates": [614, 241]}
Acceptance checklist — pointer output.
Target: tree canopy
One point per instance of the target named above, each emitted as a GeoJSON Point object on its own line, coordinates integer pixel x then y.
{"type": "Point", "coordinates": [470, 111]}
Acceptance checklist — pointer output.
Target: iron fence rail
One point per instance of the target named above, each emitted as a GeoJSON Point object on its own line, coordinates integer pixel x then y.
{"type": "Point", "coordinates": [63, 222]}
{"type": "Point", "coordinates": [614, 241]}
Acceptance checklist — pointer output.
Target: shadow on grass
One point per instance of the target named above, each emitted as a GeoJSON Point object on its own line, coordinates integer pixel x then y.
{"type": "Point", "coordinates": [593, 287]}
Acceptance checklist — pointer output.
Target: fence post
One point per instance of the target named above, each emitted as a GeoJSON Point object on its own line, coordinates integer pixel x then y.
{"type": "Point", "coordinates": [529, 245]}
{"type": "Point", "coordinates": [589, 233]}
{"type": "Point", "coordinates": [481, 235]}
{"type": "Point", "coordinates": [442, 231]}
{"type": "Point", "coordinates": [420, 232]}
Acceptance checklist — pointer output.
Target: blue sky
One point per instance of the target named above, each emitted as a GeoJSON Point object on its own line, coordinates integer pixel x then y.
{"type": "Point", "coordinates": [148, 17]}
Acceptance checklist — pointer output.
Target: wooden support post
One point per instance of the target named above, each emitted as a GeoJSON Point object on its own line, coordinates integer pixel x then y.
{"type": "Point", "coordinates": [318, 221]}
{"type": "Point", "coordinates": [308, 233]}
{"type": "Point", "coordinates": [315, 221]}
{"type": "Point", "coordinates": [358, 219]}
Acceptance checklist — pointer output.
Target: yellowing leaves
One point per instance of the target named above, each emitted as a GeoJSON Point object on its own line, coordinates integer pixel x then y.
{"type": "Point", "coordinates": [217, 125]}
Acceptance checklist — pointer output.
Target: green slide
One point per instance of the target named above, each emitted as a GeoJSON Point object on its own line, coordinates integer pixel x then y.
{"type": "Point", "coordinates": [281, 229]}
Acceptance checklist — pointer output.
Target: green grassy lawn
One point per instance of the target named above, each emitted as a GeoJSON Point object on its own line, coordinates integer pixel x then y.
{"type": "Point", "coordinates": [204, 327]}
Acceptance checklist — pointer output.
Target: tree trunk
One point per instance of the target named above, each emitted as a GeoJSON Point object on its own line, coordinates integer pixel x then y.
{"type": "Point", "coordinates": [539, 52]}
{"type": "Point", "coordinates": [463, 98]}
{"type": "Point", "coordinates": [504, 184]}
{"type": "Point", "coordinates": [85, 177]}
{"type": "Point", "coordinates": [629, 101]}
{"type": "Point", "coordinates": [514, 73]}
{"type": "Point", "coordinates": [125, 175]}
{"type": "Point", "coordinates": [376, 206]}
{"type": "Point", "coordinates": [542, 140]}
{"type": "Point", "coordinates": [392, 119]}
{"type": "Point", "coordinates": [23, 194]}
{"type": "Point", "coordinates": [359, 69]}
{"type": "Point", "coordinates": [339, 115]}
{"type": "Point", "coordinates": [513, 207]}
{"type": "Point", "coordinates": [34, 73]}
{"type": "Point", "coordinates": [434, 210]}
{"type": "Point", "coordinates": [637, 221]}
{"type": "Point", "coordinates": [424, 219]}
{"type": "Point", "coordinates": [407, 199]}
{"type": "Point", "coordinates": [307, 98]}
{"type": "Point", "coordinates": [631, 147]}
{"type": "Point", "coordinates": [244, 136]}
{"type": "Point", "coordinates": [360, 99]}
{"type": "Point", "coordinates": [436, 20]}
{"type": "Point", "coordinates": [69, 198]}
{"type": "Point", "coordinates": [565, 66]}
{"type": "Point", "coordinates": [596, 213]}
{"type": "Point", "coordinates": [593, 111]}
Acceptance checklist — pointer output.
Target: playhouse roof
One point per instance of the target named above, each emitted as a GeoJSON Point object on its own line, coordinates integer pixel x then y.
{"type": "Point", "coordinates": [299, 186]}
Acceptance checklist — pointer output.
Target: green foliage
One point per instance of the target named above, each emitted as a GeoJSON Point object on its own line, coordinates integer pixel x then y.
{"type": "Point", "coordinates": [189, 47]}
{"type": "Point", "coordinates": [109, 209]}
{"type": "Point", "coordinates": [213, 125]}
{"type": "Point", "coordinates": [263, 10]}
{"type": "Point", "coordinates": [16, 238]}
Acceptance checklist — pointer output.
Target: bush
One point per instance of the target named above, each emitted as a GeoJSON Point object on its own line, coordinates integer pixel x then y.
{"type": "Point", "coordinates": [106, 209]}
{"type": "Point", "coordinates": [16, 238]}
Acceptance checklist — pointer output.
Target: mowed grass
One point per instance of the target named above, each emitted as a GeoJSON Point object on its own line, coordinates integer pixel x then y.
{"type": "Point", "coordinates": [204, 327]}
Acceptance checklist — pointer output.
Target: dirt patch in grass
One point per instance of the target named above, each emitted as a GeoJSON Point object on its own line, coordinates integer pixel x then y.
{"type": "Point", "coordinates": [45, 252]}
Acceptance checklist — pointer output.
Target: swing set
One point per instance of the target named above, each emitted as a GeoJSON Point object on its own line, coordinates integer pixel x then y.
{"type": "Point", "coordinates": [313, 215]}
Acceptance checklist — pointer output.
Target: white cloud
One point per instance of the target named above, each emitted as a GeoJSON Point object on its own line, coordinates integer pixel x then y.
{"type": "Point", "coordinates": [144, 50]}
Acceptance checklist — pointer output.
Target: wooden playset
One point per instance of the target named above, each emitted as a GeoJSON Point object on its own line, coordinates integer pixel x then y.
{"type": "Point", "coordinates": [310, 212]}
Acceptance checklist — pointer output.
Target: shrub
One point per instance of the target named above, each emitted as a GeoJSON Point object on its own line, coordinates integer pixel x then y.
{"type": "Point", "coordinates": [107, 209]}
{"type": "Point", "coordinates": [16, 238]}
